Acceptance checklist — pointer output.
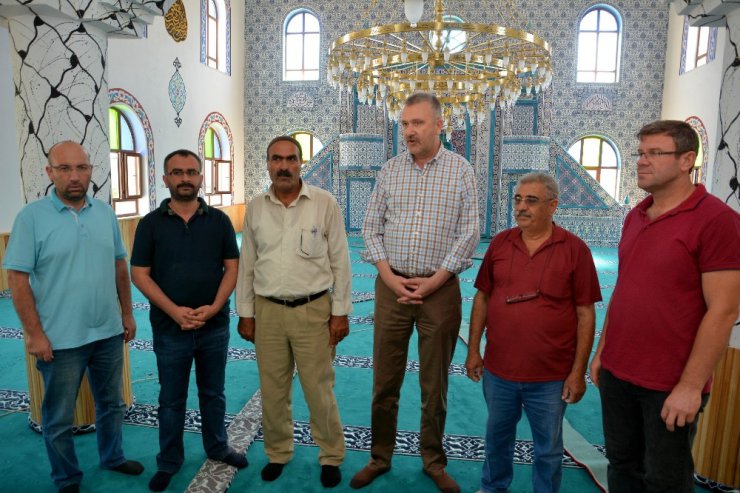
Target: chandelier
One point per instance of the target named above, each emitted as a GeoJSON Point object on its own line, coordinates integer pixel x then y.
{"type": "Point", "coordinates": [470, 67]}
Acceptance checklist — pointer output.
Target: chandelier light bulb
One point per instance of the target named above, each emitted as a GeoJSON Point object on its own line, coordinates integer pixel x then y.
{"type": "Point", "coordinates": [413, 10]}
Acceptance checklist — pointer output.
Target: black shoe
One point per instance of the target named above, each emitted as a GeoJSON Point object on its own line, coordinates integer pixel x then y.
{"type": "Point", "coordinates": [235, 459]}
{"type": "Point", "coordinates": [70, 488]}
{"type": "Point", "coordinates": [330, 476]}
{"type": "Point", "coordinates": [130, 467]}
{"type": "Point", "coordinates": [160, 481]}
{"type": "Point", "coordinates": [272, 471]}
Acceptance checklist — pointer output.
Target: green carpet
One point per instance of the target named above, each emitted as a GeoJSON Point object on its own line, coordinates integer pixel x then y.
{"type": "Point", "coordinates": [24, 466]}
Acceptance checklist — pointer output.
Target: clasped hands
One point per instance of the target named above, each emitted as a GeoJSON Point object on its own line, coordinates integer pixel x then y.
{"type": "Point", "coordinates": [193, 318]}
{"type": "Point", "coordinates": [413, 291]}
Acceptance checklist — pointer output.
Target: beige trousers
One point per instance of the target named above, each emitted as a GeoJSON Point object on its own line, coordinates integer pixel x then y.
{"type": "Point", "coordinates": [298, 336]}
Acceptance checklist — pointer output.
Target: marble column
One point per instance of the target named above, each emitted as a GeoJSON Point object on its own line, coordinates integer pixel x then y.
{"type": "Point", "coordinates": [60, 78]}
{"type": "Point", "coordinates": [727, 165]}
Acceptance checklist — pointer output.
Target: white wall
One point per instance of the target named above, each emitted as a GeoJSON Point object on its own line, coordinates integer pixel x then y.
{"type": "Point", "coordinates": [11, 193]}
{"type": "Point", "coordinates": [143, 67]}
{"type": "Point", "coordinates": [695, 93]}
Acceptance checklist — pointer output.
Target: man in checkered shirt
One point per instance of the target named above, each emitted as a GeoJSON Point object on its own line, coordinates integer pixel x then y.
{"type": "Point", "coordinates": [421, 229]}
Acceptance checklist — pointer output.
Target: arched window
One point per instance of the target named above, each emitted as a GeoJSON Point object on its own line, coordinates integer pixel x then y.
{"type": "Point", "coordinates": [599, 45]}
{"type": "Point", "coordinates": [600, 159]}
{"type": "Point", "coordinates": [216, 167]}
{"type": "Point", "coordinates": [698, 46]}
{"type": "Point", "coordinates": [310, 145]}
{"type": "Point", "coordinates": [301, 46]}
{"type": "Point", "coordinates": [215, 50]}
{"type": "Point", "coordinates": [126, 164]}
{"type": "Point", "coordinates": [212, 35]}
{"type": "Point", "coordinates": [698, 173]}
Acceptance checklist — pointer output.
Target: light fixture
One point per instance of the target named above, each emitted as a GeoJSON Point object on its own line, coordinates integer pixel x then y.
{"type": "Point", "coordinates": [468, 66]}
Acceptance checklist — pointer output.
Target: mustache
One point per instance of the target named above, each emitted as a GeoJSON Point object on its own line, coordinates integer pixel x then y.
{"type": "Point", "coordinates": [185, 185]}
{"type": "Point", "coordinates": [285, 173]}
{"type": "Point", "coordinates": [522, 214]}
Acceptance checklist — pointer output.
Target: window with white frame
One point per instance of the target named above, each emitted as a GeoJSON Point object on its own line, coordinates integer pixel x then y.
{"type": "Point", "coordinates": [301, 46]}
{"type": "Point", "coordinates": [216, 19]}
{"type": "Point", "coordinates": [310, 145]}
{"type": "Point", "coordinates": [454, 40]}
{"type": "Point", "coordinates": [126, 162]}
{"type": "Point", "coordinates": [698, 46]}
{"type": "Point", "coordinates": [599, 45]}
{"type": "Point", "coordinates": [599, 157]}
{"type": "Point", "coordinates": [217, 169]}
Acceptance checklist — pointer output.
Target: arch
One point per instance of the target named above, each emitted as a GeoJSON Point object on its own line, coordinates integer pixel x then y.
{"type": "Point", "coordinates": [301, 45]}
{"type": "Point", "coordinates": [128, 103]}
{"type": "Point", "coordinates": [699, 174]}
{"type": "Point", "coordinates": [599, 156]}
{"type": "Point", "coordinates": [310, 144]}
{"type": "Point", "coordinates": [221, 128]}
{"type": "Point", "coordinates": [599, 45]}
{"type": "Point", "coordinates": [223, 38]}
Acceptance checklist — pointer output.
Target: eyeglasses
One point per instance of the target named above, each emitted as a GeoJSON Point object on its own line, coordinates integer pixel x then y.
{"type": "Point", "coordinates": [519, 298]}
{"type": "Point", "coordinates": [66, 169]}
{"type": "Point", "coordinates": [652, 154]}
{"type": "Point", "coordinates": [529, 200]}
{"type": "Point", "coordinates": [181, 172]}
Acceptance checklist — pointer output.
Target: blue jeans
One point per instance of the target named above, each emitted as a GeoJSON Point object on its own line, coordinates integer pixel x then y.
{"type": "Point", "coordinates": [176, 350]}
{"type": "Point", "coordinates": [103, 360]}
{"type": "Point", "coordinates": [545, 409]}
{"type": "Point", "coordinates": [644, 457]}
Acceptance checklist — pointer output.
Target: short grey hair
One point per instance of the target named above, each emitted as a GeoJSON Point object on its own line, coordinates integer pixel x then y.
{"type": "Point", "coordinates": [421, 97]}
{"type": "Point", "coordinates": [543, 178]}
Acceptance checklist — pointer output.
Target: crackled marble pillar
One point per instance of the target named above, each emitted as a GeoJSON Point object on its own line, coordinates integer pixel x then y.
{"type": "Point", "coordinates": [60, 78]}
{"type": "Point", "coordinates": [61, 93]}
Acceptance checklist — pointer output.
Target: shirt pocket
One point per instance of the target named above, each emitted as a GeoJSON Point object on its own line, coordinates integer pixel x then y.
{"type": "Point", "coordinates": [312, 243]}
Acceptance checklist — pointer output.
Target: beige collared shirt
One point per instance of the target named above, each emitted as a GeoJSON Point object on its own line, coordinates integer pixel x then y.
{"type": "Point", "coordinates": [295, 251]}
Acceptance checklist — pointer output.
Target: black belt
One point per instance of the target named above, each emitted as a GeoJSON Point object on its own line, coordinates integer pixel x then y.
{"type": "Point", "coordinates": [298, 301]}
{"type": "Point", "coordinates": [406, 276]}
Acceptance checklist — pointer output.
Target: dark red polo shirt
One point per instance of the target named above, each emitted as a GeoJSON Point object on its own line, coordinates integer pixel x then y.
{"type": "Point", "coordinates": [535, 340]}
{"type": "Point", "coordinates": [658, 302]}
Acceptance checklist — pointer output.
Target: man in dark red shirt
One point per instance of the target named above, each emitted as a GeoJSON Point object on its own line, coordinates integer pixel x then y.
{"type": "Point", "coordinates": [669, 318]}
{"type": "Point", "coordinates": [537, 287]}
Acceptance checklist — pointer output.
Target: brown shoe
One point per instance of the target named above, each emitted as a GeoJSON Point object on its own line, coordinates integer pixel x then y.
{"type": "Point", "coordinates": [367, 475]}
{"type": "Point", "coordinates": [444, 481]}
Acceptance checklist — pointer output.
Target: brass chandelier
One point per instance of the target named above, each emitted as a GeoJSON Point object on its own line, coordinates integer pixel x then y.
{"type": "Point", "coordinates": [469, 67]}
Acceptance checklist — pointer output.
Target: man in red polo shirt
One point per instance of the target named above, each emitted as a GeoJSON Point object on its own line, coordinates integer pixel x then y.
{"type": "Point", "coordinates": [537, 287]}
{"type": "Point", "coordinates": [669, 319]}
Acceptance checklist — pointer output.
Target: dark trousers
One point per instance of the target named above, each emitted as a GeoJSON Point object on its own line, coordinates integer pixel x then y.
{"type": "Point", "coordinates": [437, 321]}
{"type": "Point", "coordinates": [644, 457]}
{"type": "Point", "coordinates": [176, 350]}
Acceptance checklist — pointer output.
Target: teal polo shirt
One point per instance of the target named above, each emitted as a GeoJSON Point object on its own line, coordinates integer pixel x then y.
{"type": "Point", "coordinates": [70, 257]}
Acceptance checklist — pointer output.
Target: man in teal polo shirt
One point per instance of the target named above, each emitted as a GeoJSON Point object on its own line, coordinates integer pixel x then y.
{"type": "Point", "coordinates": [70, 285]}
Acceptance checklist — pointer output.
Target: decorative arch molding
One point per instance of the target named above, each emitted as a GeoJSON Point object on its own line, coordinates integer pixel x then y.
{"type": "Point", "coordinates": [219, 123]}
{"type": "Point", "coordinates": [118, 96]}
{"type": "Point", "coordinates": [698, 125]}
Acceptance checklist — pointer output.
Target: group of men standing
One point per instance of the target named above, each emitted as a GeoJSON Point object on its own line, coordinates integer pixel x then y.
{"type": "Point", "coordinates": [668, 323]}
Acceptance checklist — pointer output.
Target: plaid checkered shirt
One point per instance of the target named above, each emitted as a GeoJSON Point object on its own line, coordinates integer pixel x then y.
{"type": "Point", "coordinates": [423, 219]}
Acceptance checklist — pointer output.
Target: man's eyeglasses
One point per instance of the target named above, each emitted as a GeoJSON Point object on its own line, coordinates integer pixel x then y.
{"type": "Point", "coordinates": [654, 153]}
{"type": "Point", "coordinates": [182, 172]}
{"type": "Point", "coordinates": [66, 169]}
{"type": "Point", "coordinates": [519, 298]}
{"type": "Point", "coordinates": [529, 200]}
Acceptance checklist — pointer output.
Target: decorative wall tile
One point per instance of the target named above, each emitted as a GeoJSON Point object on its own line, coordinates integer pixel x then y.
{"type": "Point", "coordinates": [177, 91]}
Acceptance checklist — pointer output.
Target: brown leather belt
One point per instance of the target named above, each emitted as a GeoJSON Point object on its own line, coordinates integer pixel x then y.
{"type": "Point", "coordinates": [298, 301]}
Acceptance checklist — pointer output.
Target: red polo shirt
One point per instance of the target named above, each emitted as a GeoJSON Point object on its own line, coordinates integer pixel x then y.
{"type": "Point", "coordinates": [535, 340]}
{"type": "Point", "coordinates": [658, 302]}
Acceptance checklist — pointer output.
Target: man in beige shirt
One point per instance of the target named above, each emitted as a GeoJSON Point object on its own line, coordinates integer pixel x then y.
{"type": "Point", "coordinates": [293, 295]}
